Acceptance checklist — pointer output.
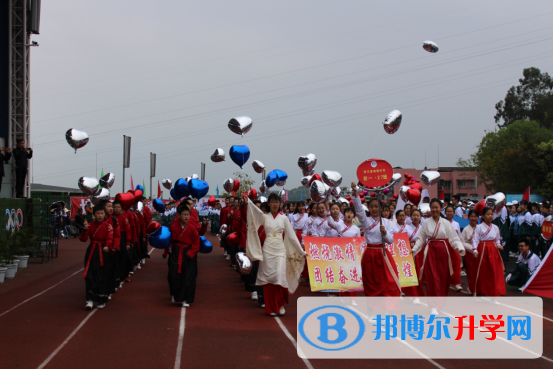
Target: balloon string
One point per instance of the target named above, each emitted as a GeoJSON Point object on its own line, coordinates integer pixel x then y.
{"type": "Point", "coordinates": [370, 149]}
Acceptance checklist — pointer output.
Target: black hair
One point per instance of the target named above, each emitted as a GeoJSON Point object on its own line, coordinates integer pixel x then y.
{"type": "Point", "coordinates": [485, 210]}
{"type": "Point", "coordinates": [298, 205]}
{"type": "Point", "coordinates": [385, 206]}
{"type": "Point", "coordinates": [117, 202]}
{"type": "Point", "coordinates": [416, 210]}
{"type": "Point", "coordinates": [350, 209]}
{"type": "Point", "coordinates": [473, 212]}
{"type": "Point", "coordinates": [371, 200]}
{"type": "Point", "coordinates": [524, 241]}
{"type": "Point", "coordinates": [436, 200]}
{"type": "Point", "coordinates": [399, 212]}
{"type": "Point", "coordinates": [183, 207]}
{"type": "Point", "coordinates": [273, 196]}
{"type": "Point", "coordinates": [265, 207]}
{"type": "Point", "coordinates": [457, 197]}
{"type": "Point", "coordinates": [450, 207]}
{"type": "Point", "coordinates": [338, 205]}
{"type": "Point", "coordinates": [19, 139]}
{"type": "Point", "coordinates": [312, 205]}
{"type": "Point", "coordinates": [97, 208]}
{"type": "Point", "coordinates": [257, 202]}
{"type": "Point", "coordinates": [407, 205]}
{"type": "Point", "coordinates": [523, 202]}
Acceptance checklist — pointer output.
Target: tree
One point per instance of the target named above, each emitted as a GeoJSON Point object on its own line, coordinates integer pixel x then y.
{"type": "Point", "coordinates": [544, 161]}
{"type": "Point", "coordinates": [531, 100]}
{"type": "Point", "coordinates": [506, 160]}
{"type": "Point", "coordinates": [246, 182]}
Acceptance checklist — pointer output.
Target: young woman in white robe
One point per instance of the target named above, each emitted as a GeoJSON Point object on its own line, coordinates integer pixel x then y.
{"type": "Point", "coordinates": [486, 244]}
{"type": "Point", "coordinates": [334, 218]}
{"type": "Point", "coordinates": [458, 262]}
{"type": "Point", "coordinates": [437, 265]}
{"type": "Point", "coordinates": [309, 228]}
{"type": "Point", "coordinates": [466, 238]}
{"type": "Point", "coordinates": [282, 257]}
{"type": "Point", "coordinates": [379, 277]}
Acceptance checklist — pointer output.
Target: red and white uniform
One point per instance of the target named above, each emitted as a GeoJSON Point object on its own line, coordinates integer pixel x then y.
{"type": "Point", "coordinates": [489, 265]}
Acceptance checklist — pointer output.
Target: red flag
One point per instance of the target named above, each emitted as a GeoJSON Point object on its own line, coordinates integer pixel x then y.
{"type": "Point", "coordinates": [526, 195]}
{"type": "Point", "coordinates": [442, 197]}
{"type": "Point", "coordinates": [540, 282]}
{"type": "Point", "coordinates": [158, 190]}
{"type": "Point", "coordinates": [132, 184]}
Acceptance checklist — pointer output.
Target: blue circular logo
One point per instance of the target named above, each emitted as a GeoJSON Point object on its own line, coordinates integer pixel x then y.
{"type": "Point", "coordinates": [373, 164]}
{"type": "Point", "coordinates": [342, 319]}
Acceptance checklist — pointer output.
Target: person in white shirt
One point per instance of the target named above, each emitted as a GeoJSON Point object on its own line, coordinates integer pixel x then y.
{"type": "Point", "coordinates": [379, 278]}
{"type": "Point", "coordinates": [470, 259]}
{"type": "Point", "coordinates": [457, 209]}
{"type": "Point", "coordinates": [309, 225]}
{"type": "Point", "coordinates": [335, 217]}
{"type": "Point", "coordinates": [456, 259]}
{"type": "Point", "coordinates": [486, 243]}
{"type": "Point", "coordinates": [527, 264]}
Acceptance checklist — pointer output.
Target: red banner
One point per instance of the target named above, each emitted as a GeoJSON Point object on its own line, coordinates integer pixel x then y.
{"type": "Point", "coordinates": [547, 230]}
{"type": "Point", "coordinates": [334, 263]}
{"type": "Point", "coordinates": [80, 202]}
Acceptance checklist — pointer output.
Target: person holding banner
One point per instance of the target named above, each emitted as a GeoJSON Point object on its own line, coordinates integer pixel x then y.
{"type": "Point", "coordinates": [309, 228]}
{"type": "Point", "coordinates": [466, 238]}
{"type": "Point", "coordinates": [486, 244]}
{"type": "Point", "coordinates": [437, 262]}
{"type": "Point", "coordinates": [335, 218]}
{"type": "Point", "coordinates": [413, 232]}
{"type": "Point", "coordinates": [281, 258]}
{"type": "Point", "coordinates": [345, 228]}
{"type": "Point", "coordinates": [379, 278]}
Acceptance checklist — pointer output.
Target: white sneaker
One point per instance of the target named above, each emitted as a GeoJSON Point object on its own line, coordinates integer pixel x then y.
{"type": "Point", "coordinates": [434, 311]}
{"type": "Point", "coordinates": [173, 299]}
{"type": "Point", "coordinates": [143, 261]}
{"type": "Point", "coordinates": [273, 314]}
{"type": "Point", "coordinates": [416, 301]}
{"type": "Point", "coordinates": [228, 257]}
{"type": "Point", "coordinates": [121, 285]}
{"type": "Point", "coordinates": [263, 306]}
{"type": "Point", "coordinates": [109, 297]}
{"type": "Point", "coordinates": [138, 266]}
{"type": "Point", "coordinates": [89, 305]}
{"type": "Point", "coordinates": [101, 306]}
{"type": "Point", "coordinates": [463, 273]}
{"type": "Point", "coordinates": [226, 253]}
{"type": "Point", "coordinates": [131, 272]}
{"type": "Point", "coordinates": [185, 305]}
{"type": "Point", "coordinates": [458, 288]}
{"type": "Point", "coordinates": [254, 295]}
{"type": "Point", "coordinates": [282, 311]}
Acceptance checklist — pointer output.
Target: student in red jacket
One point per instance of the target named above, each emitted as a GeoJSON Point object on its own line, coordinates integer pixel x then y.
{"type": "Point", "coordinates": [96, 269]}
{"type": "Point", "coordinates": [124, 254]}
{"type": "Point", "coordinates": [182, 261]}
{"type": "Point", "coordinates": [142, 236]}
{"type": "Point", "coordinates": [113, 257]}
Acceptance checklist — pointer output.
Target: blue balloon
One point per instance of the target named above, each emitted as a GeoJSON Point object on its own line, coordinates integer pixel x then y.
{"type": "Point", "coordinates": [181, 189]}
{"type": "Point", "coordinates": [271, 179]}
{"type": "Point", "coordinates": [239, 154]}
{"type": "Point", "coordinates": [198, 188]}
{"type": "Point", "coordinates": [158, 205]}
{"type": "Point", "coordinates": [161, 238]}
{"type": "Point", "coordinates": [205, 246]}
{"type": "Point", "coordinates": [139, 187]}
{"type": "Point", "coordinates": [281, 175]}
{"type": "Point", "coordinates": [172, 193]}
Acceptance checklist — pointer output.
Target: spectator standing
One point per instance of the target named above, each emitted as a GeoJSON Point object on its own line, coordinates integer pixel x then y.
{"type": "Point", "coordinates": [21, 155]}
{"type": "Point", "coordinates": [5, 155]}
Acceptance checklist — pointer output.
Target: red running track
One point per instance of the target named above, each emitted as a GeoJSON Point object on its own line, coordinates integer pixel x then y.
{"type": "Point", "coordinates": [140, 327]}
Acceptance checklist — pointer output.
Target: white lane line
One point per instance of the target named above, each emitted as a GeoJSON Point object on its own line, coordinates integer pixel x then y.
{"type": "Point", "coordinates": [152, 250]}
{"type": "Point", "coordinates": [49, 288]}
{"type": "Point", "coordinates": [67, 340]}
{"type": "Point", "coordinates": [501, 338]}
{"type": "Point", "coordinates": [287, 333]}
{"type": "Point", "coordinates": [509, 306]}
{"type": "Point", "coordinates": [181, 336]}
{"type": "Point", "coordinates": [406, 343]}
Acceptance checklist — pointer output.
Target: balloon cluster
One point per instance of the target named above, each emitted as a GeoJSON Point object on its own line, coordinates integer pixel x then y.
{"type": "Point", "coordinates": [98, 190]}
{"type": "Point", "coordinates": [238, 153]}
{"type": "Point", "coordinates": [320, 187]}
{"type": "Point", "coordinates": [411, 190]}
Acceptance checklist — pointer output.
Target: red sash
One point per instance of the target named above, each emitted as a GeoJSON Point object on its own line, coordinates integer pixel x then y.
{"type": "Point", "coordinates": [344, 230]}
{"type": "Point", "coordinates": [182, 247]}
{"type": "Point", "coordinates": [411, 239]}
{"type": "Point", "coordinates": [376, 222]}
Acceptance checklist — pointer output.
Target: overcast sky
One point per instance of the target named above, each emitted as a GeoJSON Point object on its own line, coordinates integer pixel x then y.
{"type": "Point", "coordinates": [315, 76]}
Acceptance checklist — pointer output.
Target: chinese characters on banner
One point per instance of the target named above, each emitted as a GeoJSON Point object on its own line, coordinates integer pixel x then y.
{"type": "Point", "coordinates": [404, 264]}
{"type": "Point", "coordinates": [334, 263]}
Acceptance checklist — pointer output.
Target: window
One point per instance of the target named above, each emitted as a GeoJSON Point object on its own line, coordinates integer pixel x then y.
{"type": "Point", "coordinates": [461, 183]}
{"type": "Point", "coordinates": [445, 184]}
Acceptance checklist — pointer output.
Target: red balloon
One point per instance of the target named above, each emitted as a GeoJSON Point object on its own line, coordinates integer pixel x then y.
{"type": "Point", "coordinates": [212, 201]}
{"type": "Point", "coordinates": [236, 186]}
{"type": "Point", "coordinates": [315, 177]}
{"type": "Point", "coordinates": [373, 194]}
{"type": "Point", "coordinates": [126, 199]}
{"type": "Point", "coordinates": [414, 196]}
{"type": "Point", "coordinates": [416, 186]}
{"type": "Point", "coordinates": [396, 195]}
{"type": "Point", "coordinates": [138, 195]}
{"type": "Point", "coordinates": [253, 194]}
{"type": "Point", "coordinates": [233, 239]}
{"type": "Point", "coordinates": [152, 227]}
{"type": "Point", "coordinates": [480, 205]}
{"type": "Point", "coordinates": [348, 198]}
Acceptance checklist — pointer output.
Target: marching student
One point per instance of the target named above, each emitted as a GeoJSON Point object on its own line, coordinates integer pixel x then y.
{"type": "Point", "coordinates": [413, 232]}
{"type": "Point", "coordinates": [470, 258]}
{"type": "Point", "coordinates": [486, 243]}
{"type": "Point", "coordinates": [112, 258]}
{"type": "Point", "coordinates": [345, 228]}
{"type": "Point", "coordinates": [96, 270]}
{"type": "Point", "coordinates": [407, 209]}
{"type": "Point", "coordinates": [309, 229]}
{"type": "Point", "coordinates": [457, 261]}
{"type": "Point", "coordinates": [142, 235]}
{"type": "Point", "coordinates": [437, 266]}
{"type": "Point", "coordinates": [282, 256]}
{"type": "Point", "coordinates": [298, 219]}
{"type": "Point", "coordinates": [379, 278]}
{"type": "Point", "coordinates": [182, 260]}
{"type": "Point", "coordinates": [335, 218]}
{"type": "Point", "coordinates": [124, 255]}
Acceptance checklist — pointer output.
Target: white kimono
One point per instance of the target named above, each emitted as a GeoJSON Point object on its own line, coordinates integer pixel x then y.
{"type": "Point", "coordinates": [298, 221]}
{"type": "Point", "coordinates": [413, 232]}
{"type": "Point", "coordinates": [308, 227]}
{"type": "Point", "coordinates": [281, 261]}
{"type": "Point", "coordinates": [456, 227]}
{"type": "Point", "coordinates": [343, 230]}
{"type": "Point", "coordinates": [484, 233]}
{"type": "Point", "coordinates": [445, 231]}
{"type": "Point", "coordinates": [371, 230]}
{"type": "Point", "coordinates": [332, 231]}
{"type": "Point", "coordinates": [466, 237]}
